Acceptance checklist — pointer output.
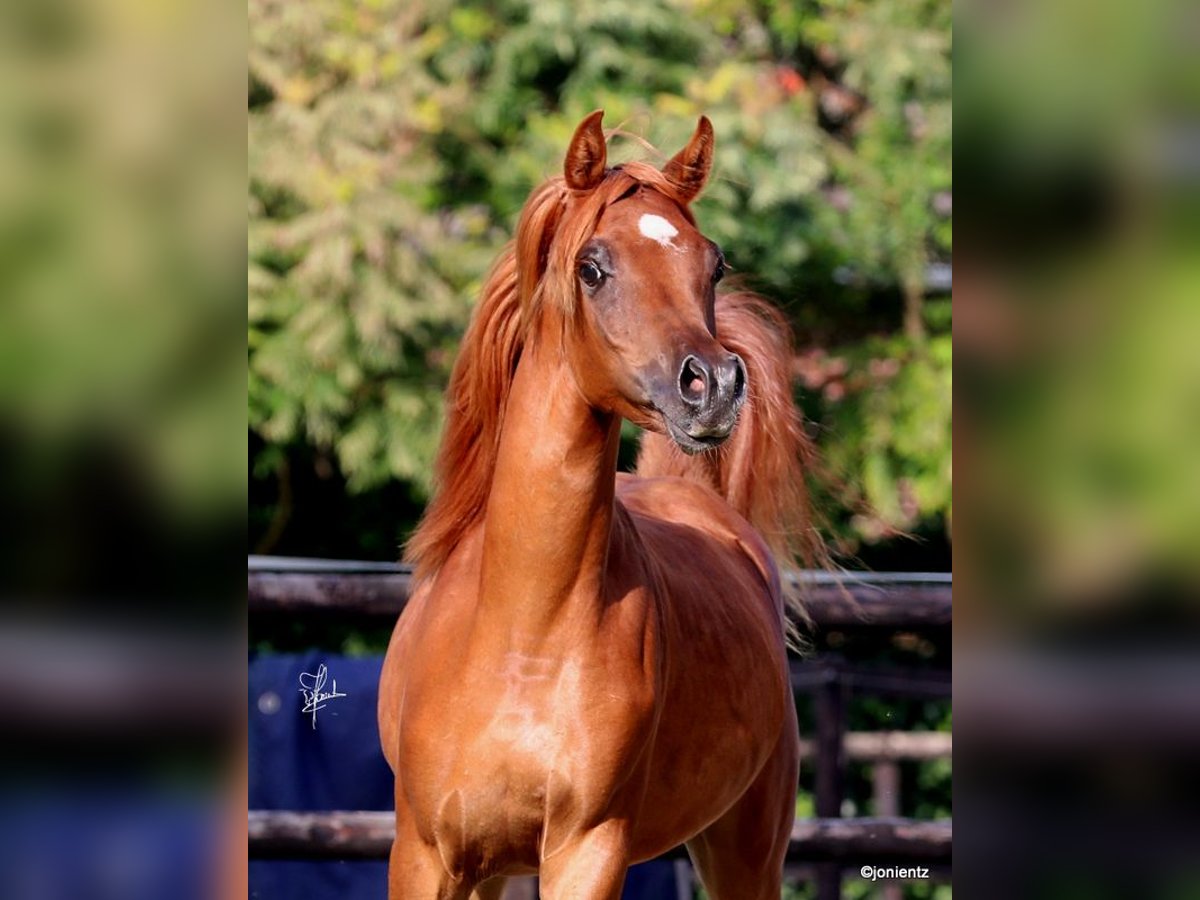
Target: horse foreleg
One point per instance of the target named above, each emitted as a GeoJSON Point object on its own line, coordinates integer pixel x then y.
{"type": "Point", "coordinates": [416, 870]}
{"type": "Point", "coordinates": [740, 856]}
{"type": "Point", "coordinates": [590, 866]}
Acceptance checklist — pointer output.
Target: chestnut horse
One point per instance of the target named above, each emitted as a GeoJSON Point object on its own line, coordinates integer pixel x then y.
{"type": "Point", "coordinates": [592, 667]}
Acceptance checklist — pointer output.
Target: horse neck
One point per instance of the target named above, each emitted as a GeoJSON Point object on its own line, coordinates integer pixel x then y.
{"type": "Point", "coordinates": [550, 510]}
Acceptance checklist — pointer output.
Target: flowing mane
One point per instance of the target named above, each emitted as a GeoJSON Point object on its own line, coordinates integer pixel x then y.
{"type": "Point", "coordinates": [535, 269]}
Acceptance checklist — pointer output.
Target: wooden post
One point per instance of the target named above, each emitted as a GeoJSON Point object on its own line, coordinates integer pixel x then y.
{"type": "Point", "coordinates": [829, 706]}
{"type": "Point", "coordinates": [885, 779]}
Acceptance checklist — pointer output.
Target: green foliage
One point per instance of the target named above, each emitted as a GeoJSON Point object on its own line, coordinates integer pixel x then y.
{"type": "Point", "coordinates": [392, 144]}
{"type": "Point", "coordinates": [886, 402]}
{"type": "Point", "coordinates": [358, 282]}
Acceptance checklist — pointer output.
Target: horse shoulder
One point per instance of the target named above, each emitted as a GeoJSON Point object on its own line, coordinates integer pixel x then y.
{"type": "Point", "coordinates": [719, 593]}
{"type": "Point", "coordinates": [697, 510]}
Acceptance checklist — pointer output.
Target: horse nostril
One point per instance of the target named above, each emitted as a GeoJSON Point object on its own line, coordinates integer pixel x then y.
{"type": "Point", "coordinates": [739, 379]}
{"type": "Point", "coordinates": [693, 384]}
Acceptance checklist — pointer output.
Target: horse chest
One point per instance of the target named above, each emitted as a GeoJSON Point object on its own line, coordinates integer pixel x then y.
{"type": "Point", "coordinates": [542, 740]}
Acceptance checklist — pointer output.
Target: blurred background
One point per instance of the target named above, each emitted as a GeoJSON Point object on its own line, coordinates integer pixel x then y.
{"type": "Point", "coordinates": [122, 455]}
{"type": "Point", "coordinates": [1077, 562]}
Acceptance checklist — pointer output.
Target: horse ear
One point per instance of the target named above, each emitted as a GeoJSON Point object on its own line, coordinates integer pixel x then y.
{"type": "Point", "coordinates": [587, 155]}
{"type": "Point", "coordinates": [688, 169]}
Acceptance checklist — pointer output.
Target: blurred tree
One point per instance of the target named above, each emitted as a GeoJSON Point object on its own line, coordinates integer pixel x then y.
{"type": "Point", "coordinates": [357, 279]}
{"type": "Point", "coordinates": [392, 145]}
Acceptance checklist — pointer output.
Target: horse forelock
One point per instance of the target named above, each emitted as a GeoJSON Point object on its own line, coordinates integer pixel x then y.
{"type": "Point", "coordinates": [535, 271]}
{"type": "Point", "coordinates": [557, 221]}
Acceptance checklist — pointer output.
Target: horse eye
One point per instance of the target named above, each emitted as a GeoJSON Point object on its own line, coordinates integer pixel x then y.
{"type": "Point", "coordinates": [719, 271]}
{"type": "Point", "coordinates": [590, 274]}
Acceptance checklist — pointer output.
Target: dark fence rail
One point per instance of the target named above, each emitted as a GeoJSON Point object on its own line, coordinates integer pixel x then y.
{"type": "Point", "coordinates": [828, 670]}
{"type": "Point", "coordinates": [281, 834]}
{"type": "Point", "coordinates": [836, 601]}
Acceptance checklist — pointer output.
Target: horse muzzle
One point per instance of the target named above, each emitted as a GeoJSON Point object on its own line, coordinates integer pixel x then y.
{"type": "Point", "coordinates": [709, 394]}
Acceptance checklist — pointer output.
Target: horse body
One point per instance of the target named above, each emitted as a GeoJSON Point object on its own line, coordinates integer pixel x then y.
{"type": "Point", "coordinates": [595, 672]}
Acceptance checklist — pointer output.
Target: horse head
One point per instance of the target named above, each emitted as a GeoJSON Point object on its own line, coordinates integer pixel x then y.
{"type": "Point", "coordinates": [638, 281]}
